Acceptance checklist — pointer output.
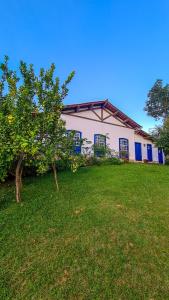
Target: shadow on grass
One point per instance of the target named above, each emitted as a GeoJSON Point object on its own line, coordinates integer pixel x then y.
{"type": "Point", "coordinates": [7, 191]}
{"type": "Point", "coordinates": [7, 195]}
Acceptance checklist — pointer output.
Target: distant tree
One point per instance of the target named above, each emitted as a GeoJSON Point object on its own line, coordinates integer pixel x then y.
{"type": "Point", "coordinates": [157, 104]}
{"type": "Point", "coordinates": [160, 136]}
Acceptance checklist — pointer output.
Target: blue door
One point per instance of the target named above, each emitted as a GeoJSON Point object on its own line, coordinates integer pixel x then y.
{"type": "Point", "coordinates": [149, 152]}
{"type": "Point", "coordinates": [160, 156]}
{"type": "Point", "coordinates": [138, 152]}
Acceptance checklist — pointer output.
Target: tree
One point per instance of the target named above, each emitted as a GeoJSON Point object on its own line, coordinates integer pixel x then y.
{"type": "Point", "coordinates": [56, 144]}
{"type": "Point", "coordinates": [52, 136]}
{"type": "Point", "coordinates": [157, 104]}
{"type": "Point", "coordinates": [18, 128]}
{"type": "Point", "coordinates": [30, 119]}
{"type": "Point", "coordinates": [160, 136]}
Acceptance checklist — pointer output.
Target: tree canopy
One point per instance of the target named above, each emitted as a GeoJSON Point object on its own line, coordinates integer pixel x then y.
{"type": "Point", "coordinates": [161, 136]}
{"type": "Point", "coordinates": [157, 104]}
{"type": "Point", "coordinates": [31, 129]}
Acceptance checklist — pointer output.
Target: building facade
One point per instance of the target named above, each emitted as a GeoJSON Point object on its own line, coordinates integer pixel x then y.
{"type": "Point", "coordinates": [102, 123]}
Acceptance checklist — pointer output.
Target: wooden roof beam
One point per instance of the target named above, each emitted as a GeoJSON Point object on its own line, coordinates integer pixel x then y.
{"type": "Point", "coordinates": [77, 108]}
{"type": "Point", "coordinates": [97, 115]}
{"type": "Point", "coordinates": [125, 121]}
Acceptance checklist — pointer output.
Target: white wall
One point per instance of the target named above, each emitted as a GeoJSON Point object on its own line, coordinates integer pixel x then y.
{"type": "Point", "coordinates": [90, 127]}
{"type": "Point", "coordinates": [144, 142]}
{"type": "Point", "coordinates": [114, 132]}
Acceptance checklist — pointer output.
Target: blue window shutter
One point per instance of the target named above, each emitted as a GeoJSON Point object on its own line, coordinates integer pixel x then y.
{"type": "Point", "coordinates": [95, 138]}
{"type": "Point", "coordinates": [149, 152]}
{"type": "Point", "coordinates": [160, 156]}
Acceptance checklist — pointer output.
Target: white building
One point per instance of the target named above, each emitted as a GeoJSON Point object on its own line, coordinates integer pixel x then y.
{"type": "Point", "coordinates": [101, 122]}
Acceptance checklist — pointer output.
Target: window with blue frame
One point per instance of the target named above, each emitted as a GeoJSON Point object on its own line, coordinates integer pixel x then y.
{"type": "Point", "coordinates": [99, 145]}
{"type": "Point", "coordinates": [123, 148]}
{"type": "Point", "coordinates": [77, 140]}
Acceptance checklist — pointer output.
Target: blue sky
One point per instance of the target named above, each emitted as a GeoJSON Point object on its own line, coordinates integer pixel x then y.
{"type": "Point", "coordinates": [118, 48]}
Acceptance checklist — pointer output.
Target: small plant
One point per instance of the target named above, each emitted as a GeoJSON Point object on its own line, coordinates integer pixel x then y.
{"type": "Point", "coordinates": [145, 161]}
{"type": "Point", "coordinates": [114, 161]}
{"type": "Point", "coordinates": [93, 160]}
{"type": "Point", "coordinates": [101, 151]}
{"type": "Point", "coordinates": [115, 153]}
{"type": "Point", "coordinates": [124, 154]}
{"type": "Point", "coordinates": [77, 161]}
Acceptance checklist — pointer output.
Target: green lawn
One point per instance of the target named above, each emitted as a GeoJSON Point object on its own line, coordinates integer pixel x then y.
{"type": "Point", "coordinates": [104, 236]}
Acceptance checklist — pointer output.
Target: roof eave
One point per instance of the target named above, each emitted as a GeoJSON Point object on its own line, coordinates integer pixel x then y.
{"type": "Point", "coordinates": [104, 104]}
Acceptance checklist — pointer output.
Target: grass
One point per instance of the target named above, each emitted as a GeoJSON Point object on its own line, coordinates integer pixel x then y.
{"type": "Point", "coordinates": [105, 235]}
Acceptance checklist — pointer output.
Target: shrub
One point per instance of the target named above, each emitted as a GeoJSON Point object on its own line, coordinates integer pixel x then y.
{"type": "Point", "coordinates": [93, 160]}
{"type": "Point", "coordinates": [167, 161]}
{"type": "Point", "coordinates": [74, 161]}
{"type": "Point", "coordinates": [112, 161]}
{"type": "Point", "coordinates": [123, 154]}
{"type": "Point", "coordinates": [77, 161]}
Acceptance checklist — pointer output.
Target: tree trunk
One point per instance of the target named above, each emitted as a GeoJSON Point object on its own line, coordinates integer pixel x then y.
{"type": "Point", "coordinates": [21, 171]}
{"type": "Point", "coordinates": [55, 175]}
{"type": "Point", "coordinates": [18, 180]}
